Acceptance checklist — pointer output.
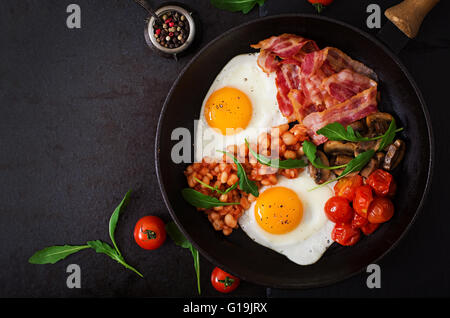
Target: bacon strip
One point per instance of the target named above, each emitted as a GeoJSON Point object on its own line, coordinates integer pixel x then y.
{"type": "Point", "coordinates": [345, 84]}
{"type": "Point", "coordinates": [286, 79]}
{"type": "Point", "coordinates": [317, 87]}
{"type": "Point", "coordinates": [267, 61]}
{"type": "Point", "coordinates": [353, 109]}
{"type": "Point", "coordinates": [285, 45]}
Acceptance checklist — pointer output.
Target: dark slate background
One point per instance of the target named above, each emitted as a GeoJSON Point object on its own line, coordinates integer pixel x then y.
{"type": "Point", "coordinates": [78, 116]}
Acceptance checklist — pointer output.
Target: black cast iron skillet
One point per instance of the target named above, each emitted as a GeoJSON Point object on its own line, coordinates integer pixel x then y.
{"type": "Point", "coordinates": [237, 253]}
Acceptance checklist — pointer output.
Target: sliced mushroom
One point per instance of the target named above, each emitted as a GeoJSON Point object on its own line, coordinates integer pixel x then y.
{"type": "Point", "coordinates": [363, 146]}
{"type": "Point", "coordinates": [341, 160]}
{"type": "Point", "coordinates": [332, 147]}
{"type": "Point", "coordinates": [373, 165]}
{"type": "Point", "coordinates": [395, 153]}
{"type": "Point", "coordinates": [378, 123]}
{"type": "Point", "coordinates": [320, 175]}
{"type": "Point", "coordinates": [359, 126]}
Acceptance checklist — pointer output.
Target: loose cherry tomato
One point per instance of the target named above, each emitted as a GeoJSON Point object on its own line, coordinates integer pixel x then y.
{"type": "Point", "coordinates": [320, 4]}
{"type": "Point", "coordinates": [380, 181]}
{"type": "Point", "coordinates": [369, 228]}
{"type": "Point", "coordinates": [224, 282]}
{"type": "Point", "coordinates": [344, 234]}
{"type": "Point", "coordinates": [338, 210]}
{"type": "Point", "coordinates": [381, 210]}
{"type": "Point", "coordinates": [362, 200]}
{"type": "Point", "coordinates": [358, 221]}
{"type": "Point", "coordinates": [346, 186]}
{"type": "Point", "coordinates": [149, 232]}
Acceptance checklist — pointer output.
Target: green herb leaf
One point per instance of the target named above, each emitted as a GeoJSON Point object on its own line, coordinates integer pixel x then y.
{"type": "Point", "coordinates": [388, 136]}
{"type": "Point", "coordinates": [201, 200]}
{"type": "Point", "coordinates": [179, 239]}
{"type": "Point", "coordinates": [245, 184]}
{"type": "Point", "coordinates": [356, 164]}
{"type": "Point", "coordinates": [53, 254]}
{"type": "Point", "coordinates": [336, 131]}
{"type": "Point", "coordinates": [310, 150]}
{"type": "Point", "coordinates": [115, 218]}
{"type": "Point", "coordinates": [104, 248]}
{"type": "Point", "coordinates": [237, 5]}
{"type": "Point", "coordinates": [277, 163]}
{"type": "Point", "coordinates": [234, 186]}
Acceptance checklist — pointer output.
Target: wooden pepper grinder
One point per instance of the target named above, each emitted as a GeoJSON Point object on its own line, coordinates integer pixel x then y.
{"type": "Point", "coordinates": [409, 14]}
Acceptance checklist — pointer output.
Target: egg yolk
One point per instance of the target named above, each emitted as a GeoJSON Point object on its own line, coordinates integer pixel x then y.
{"type": "Point", "coordinates": [228, 110]}
{"type": "Point", "coordinates": [278, 210]}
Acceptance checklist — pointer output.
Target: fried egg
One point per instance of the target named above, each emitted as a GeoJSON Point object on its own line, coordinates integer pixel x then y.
{"type": "Point", "coordinates": [240, 103]}
{"type": "Point", "coordinates": [289, 219]}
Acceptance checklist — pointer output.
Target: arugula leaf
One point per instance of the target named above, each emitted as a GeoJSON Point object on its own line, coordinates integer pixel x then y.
{"type": "Point", "coordinates": [115, 218]}
{"type": "Point", "coordinates": [179, 239]}
{"type": "Point", "coordinates": [388, 136]}
{"type": "Point", "coordinates": [237, 5]}
{"type": "Point", "coordinates": [336, 131]}
{"type": "Point", "coordinates": [310, 150]}
{"type": "Point", "coordinates": [245, 184]}
{"type": "Point", "coordinates": [53, 254]}
{"type": "Point", "coordinates": [356, 164]}
{"type": "Point", "coordinates": [104, 248]}
{"type": "Point", "coordinates": [201, 200]}
{"type": "Point", "coordinates": [234, 186]}
{"type": "Point", "coordinates": [277, 163]}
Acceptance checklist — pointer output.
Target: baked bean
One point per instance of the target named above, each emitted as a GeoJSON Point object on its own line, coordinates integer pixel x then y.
{"type": "Point", "coordinates": [244, 202]}
{"type": "Point", "coordinates": [289, 154]}
{"type": "Point", "coordinates": [282, 142]}
{"type": "Point", "coordinates": [288, 138]}
{"type": "Point", "coordinates": [224, 177]}
{"type": "Point", "coordinates": [232, 179]}
{"type": "Point", "coordinates": [227, 231]}
{"type": "Point", "coordinates": [230, 221]}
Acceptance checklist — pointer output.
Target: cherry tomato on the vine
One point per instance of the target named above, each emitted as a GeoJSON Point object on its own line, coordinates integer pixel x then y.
{"type": "Point", "coordinates": [224, 282]}
{"type": "Point", "coordinates": [150, 232]}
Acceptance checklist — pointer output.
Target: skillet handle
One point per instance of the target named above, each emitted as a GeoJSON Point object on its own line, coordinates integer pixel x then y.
{"type": "Point", "coordinates": [409, 14]}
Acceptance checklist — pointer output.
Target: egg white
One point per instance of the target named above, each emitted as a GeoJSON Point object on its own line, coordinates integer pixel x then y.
{"type": "Point", "coordinates": [306, 243]}
{"type": "Point", "coordinates": [241, 72]}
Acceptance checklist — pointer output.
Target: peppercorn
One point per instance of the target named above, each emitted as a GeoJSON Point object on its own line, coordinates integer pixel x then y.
{"type": "Point", "coordinates": [172, 32]}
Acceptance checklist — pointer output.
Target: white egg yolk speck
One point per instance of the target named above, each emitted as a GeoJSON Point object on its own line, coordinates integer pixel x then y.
{"type": "Point", "coordinates": [278, 210]}
{"type": "Point", "coordinates": [228, 110]}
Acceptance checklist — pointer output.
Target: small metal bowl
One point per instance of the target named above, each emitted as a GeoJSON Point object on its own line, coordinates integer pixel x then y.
{"type": "Point", "coordinates": [150, 36]}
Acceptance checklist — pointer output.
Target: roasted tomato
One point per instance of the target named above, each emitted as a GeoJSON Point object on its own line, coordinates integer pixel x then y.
{"type": "Point", "coordinates": [149, 232]}
{"type": "Point", "coordinates": [358, 221]}
{"type": "Point", "coordinates": [381, 210]}
{"type": "Point", "coordinates": [345, 234]}
{"type": "Point", "coordinates": [369, 228]}
{"type": "Point", "coordinates": [362, 200]}
{"type": "Point", "coordinates": [338, 210]}
{"type": "Point", "coordinates": [224, 282]}
{"type": "Point", "coordinates": [345, 187]}
{"type": "Point", "coordinates": [380, 181]}
{"type": "Point", "coordinates": [392, 189]}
